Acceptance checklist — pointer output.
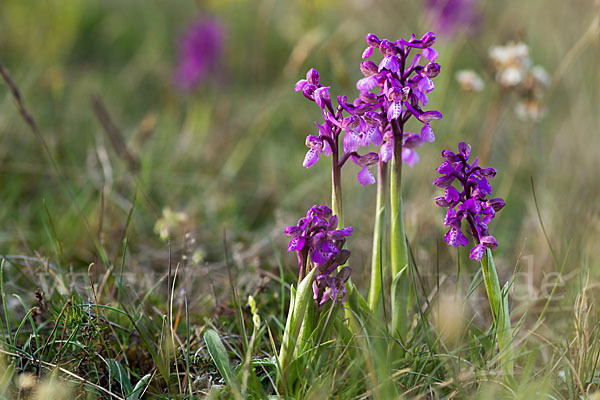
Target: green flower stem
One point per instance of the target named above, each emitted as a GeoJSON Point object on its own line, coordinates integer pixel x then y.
{"type": "Point", "coordinates": [500, 312]}
{"type": "Point", "coordinates": [398, 247]}
{"type": "Point", "coordinates": [375, 292]}
{"type": "Point", "coordinates": [336, 190]}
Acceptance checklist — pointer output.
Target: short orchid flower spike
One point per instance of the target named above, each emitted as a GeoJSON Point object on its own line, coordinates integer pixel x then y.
{"type": "Point", "coordinates": [319, 244]}
{"type": "Point", "coordinates": [468, 200]}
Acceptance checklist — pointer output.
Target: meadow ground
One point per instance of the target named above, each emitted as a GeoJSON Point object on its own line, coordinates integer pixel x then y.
{"type": "Point", "coordinates": [141, 208]}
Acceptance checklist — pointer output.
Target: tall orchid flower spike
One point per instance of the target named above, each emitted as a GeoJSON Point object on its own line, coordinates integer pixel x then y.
{"type": "Point", "coordinates": [398, 87]}
{"type": "Point", "coordinates": [391, 92]}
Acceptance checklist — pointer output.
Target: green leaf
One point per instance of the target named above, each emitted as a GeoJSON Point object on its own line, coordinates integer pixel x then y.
{"type": "Point", "coordinates": [139, 388]}
{"type": "Point", "coordinates": [219, 356]}
{"type": "Point", "coordinates": [301, 300]}
{"type": "Point", "coordinates": [357, 303]}
{"type": "Point", "coordinates": [399, 312]}
{"type": "Point", "coordinates": [118, 373]}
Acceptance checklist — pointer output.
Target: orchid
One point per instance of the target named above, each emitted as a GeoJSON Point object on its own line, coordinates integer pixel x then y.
{"type": "Point", "coordinates": [389, 91]}
{"type": "Point", "coordinates": [470, 204]}
{"type": "Point", "coordinates": [402, 89]}
{"type": "Point", "coordinates": [319, 244]}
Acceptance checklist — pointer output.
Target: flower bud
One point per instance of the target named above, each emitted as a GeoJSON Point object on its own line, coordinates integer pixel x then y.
{"type": "Point", "coordinates": [373, 118]}
{"type": "Point", "coordinates": [442, 202]}
{"type": "Point", "coordinates": [464, 150]}
{"type": "Point", "coordinates": [368, 68]}
{"type": "Point", "coordinates": [429, 116]}
{"type": "Point", "coordinates": [450, 156]}
{"type": "Point", "coordinates": [314, 142]}
{"type": "Point", "coordinates": [428, 39]}
{"type": "Point", "coordinates": [369, 159]}
{"type": "Point", "coordinates": [292, 230]}
{"type": "Point", "coordinates": [343, 275]}
{"type": "Point", "coordinates": [323, 211]}
{"type": "Point", "coordinates": [308, 91]}
{"type": "Point", "coordinates": [388, 48]}
{"type": "Point", "coordinates": [369, 98]}
{"type": "Point", "coordinates": [488, 172]}
{"type": "Point", "coordinates": [411, 141]}
{"type": "Point", "coordinates": [350, 123]}
{"type": "Point", "coordinates": [431, 70]}
{"type": "Point", "coordinates": [443, 181]}
{"type": "Point", "coordinates": [373, 40]}
{"type": "Point", "coordinates": [496, 203]}
{"type": "Point", "coordinates": [312, 76]}
{"type": "Point", "coordinates": [490, 242]}
{"type": "Point", "coordinates": [342, 257]}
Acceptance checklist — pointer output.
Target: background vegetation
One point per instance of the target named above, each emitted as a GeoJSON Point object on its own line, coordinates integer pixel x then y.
{"type": "Point", "coordinates": [227, 157]}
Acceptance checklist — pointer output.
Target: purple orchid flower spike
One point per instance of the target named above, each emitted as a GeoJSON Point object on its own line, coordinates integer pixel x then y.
{"type": "Point", "coordinates": [361, 128]}
{"type": "Point", "coordinates": [469, 202]}
{"type": "Point", "coordinates": [390, 93]}
{"type": "Point", "coordinates": [319, 244]}
{"type": "Point", "coordinates": [400, 88]}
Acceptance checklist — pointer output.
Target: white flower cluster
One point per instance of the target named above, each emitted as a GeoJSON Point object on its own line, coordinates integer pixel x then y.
{"type": "Point", "coordinates": [511, 63]}
{"type": "Point", "coordinates": [469, 80]}
{"type": "Point", "coordinates": [515, 71]}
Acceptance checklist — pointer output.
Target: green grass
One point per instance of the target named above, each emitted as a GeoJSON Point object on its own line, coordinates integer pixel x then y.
{"type": "Point", "coordinates": [94, 304]}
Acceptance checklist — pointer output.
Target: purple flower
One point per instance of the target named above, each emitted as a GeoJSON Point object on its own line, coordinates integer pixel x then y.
{"type": "Point", "coordinates": [399, 86]}
{"type": "Point", "coordinates": [315, 146]}
{"type": "Point", "coordinates": [319, 244]}
{"type": "Point", "coordinates": [200, 49]}
{"type": "Point", "coordinates": [470, 203]}
{"type": "Point", "coordinates": [450, 16]}
{"type": "Point", "coordinates": [409, 143]}
{"type": "Point", "coordinates": [361, 128]}
{"type": "Point", "coordinates": [390, 93]}
{"type": "Point", "coordinates": [365, 177]}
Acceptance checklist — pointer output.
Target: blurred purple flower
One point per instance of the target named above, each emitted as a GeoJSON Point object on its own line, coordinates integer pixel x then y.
{"type": "Point", "coordinates": [200, 50]}
{"type": "Point", "coordinates": [450, 16]}
{"type": "Point", "coordinates": [470, 204]}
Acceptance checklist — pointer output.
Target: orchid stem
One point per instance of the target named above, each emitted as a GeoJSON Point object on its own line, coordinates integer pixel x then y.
{"type": "Point", "coordinates": [336, 190]}
{"type": "Point", "coordinates": [500, 312]}
{"type": "Point", "coordinates": [375, 292]}
{"type": "Point", "coordinates": [398, 247]}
